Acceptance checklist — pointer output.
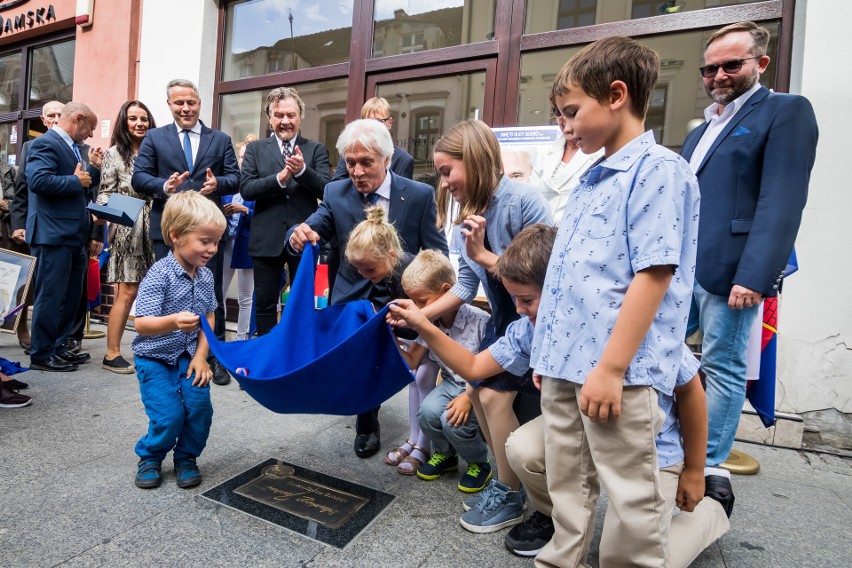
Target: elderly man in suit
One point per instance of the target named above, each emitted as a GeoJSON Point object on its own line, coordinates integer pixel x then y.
{"type": "Point", "coordinates": [367, 148]}
{"type": "Point", "coordinates": [753, 158]}
{"type": "Point", "coordinates": [188, 156]}
{"type": "Point", "coordinates": [284, 175]}
{"type": "Point", "coordinates": [57, 229]}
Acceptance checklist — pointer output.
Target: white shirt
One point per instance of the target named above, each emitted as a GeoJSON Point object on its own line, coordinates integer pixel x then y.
{"type": "Point", "coordinates": [717, 123]}
{"type": "Point", "coordinates": [384, 192]}
{"type": "Point", "coordinates": [194, 137]}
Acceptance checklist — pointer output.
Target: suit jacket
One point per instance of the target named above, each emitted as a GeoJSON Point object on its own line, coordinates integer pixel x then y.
{"type": "Point", "coordinates": [754, 185]}
{"type": "Point", "coordinates": [240, 257]}
{"type": "Point", "coordinates": [276, 209]}
{"type": "Point", "coordinates": [412, 211]}
{"type": "Point", "coordinates": [57, 212]}
{"type": "Point", "coordinates": [161, 155]}
{"type": "Point", "coordinates": [402, 164]}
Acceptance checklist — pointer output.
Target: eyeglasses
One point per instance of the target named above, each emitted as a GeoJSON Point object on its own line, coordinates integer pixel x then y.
{"type": "Point", "coordinates": [384, 120]}
{"type": "Point", "coordinates": [729, 67]}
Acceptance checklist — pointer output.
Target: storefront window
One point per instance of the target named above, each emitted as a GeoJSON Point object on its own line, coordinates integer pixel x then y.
{"type": "Point", "coordinates": [677, 99]}
{"type": "Point", "coordinates": [402, 26]}
{"type": "Point", "coordinates": [10, 81]}
{"type": "Point", "coordinates": [51, 74]}
{"type": "Point", "coordinates": [550, 15]}
{"type": "Point", "coordinates": [325, 108]}
{"type": "Point", "coordinates": [270, 36]}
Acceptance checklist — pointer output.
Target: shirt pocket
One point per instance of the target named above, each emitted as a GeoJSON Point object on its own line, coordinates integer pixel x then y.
{"type": "Point", "coordinates": [600, 220]}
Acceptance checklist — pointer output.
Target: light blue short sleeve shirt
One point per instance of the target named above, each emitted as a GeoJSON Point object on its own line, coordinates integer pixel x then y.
{"type": "Point", "coordinates": [512, 351]}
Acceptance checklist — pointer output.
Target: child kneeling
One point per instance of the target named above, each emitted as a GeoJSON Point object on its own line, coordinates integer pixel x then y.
{"type": "Point", "coordinates": [170, 351]}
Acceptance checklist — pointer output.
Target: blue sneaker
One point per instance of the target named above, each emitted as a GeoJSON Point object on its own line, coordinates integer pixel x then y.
{"type": "Point", "coordinates": [148, 476]}
{"type": "Point", "coordinates": [499, 509]}
{"type": "Point", "coordinates": [473, 501]}
{"type": "Point", "coordinates": [476, 477]}
{"type": "Point", "coordinates": [187, 472]}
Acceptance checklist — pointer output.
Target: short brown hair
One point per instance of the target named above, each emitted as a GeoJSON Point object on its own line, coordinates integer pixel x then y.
{"type": "Point", "coordinates": [759, 35]}
{"type": "Point", "coordinates": [472, 142]}
{"type": "Point", "coordinates": [277, 95]}
{"type": "Point", "coordinates": [186, 211]}
{"type": "Point", "coordinates": [377, 106]}
{"type": "Point", "coordinates": [598, 65]}
{"type": "Point", "coordinates": [428, 272]}
{"type": "Point", "coordinates": [374, 238]}
{"type": "Point", "coordinates": [525, 259]}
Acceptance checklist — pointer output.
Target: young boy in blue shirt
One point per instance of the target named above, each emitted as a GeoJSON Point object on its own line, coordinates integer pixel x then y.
{"type": "Point", "coordinates": [613, 311]}
{"type": "Point", "coordinates": [170, 351]}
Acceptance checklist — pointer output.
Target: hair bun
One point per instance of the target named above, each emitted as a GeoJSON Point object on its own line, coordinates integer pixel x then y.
{"type": "Point", "coordinates": [375, 214]}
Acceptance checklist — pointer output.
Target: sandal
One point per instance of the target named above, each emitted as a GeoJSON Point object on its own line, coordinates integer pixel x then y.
{"type": "Point", "coordinates": [411, 464]}
{"type": "Point", "coordinates": [396, 456]}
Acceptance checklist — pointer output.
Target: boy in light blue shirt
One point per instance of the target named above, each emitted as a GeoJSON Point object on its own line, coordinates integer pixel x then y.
{"type": "Point", "coordinates": [613, 311]}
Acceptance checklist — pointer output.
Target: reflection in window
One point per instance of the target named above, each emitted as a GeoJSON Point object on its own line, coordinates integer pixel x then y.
{"type": "Point", "coordinates": [405, 27]}
{"type": "Point", "coordinates": [51, 74]}
{"type": "Point", "coordinates": [10, 81]}
{"type": "Point", "coordinates": [575, 13]}
{"type": "Point", "coordinates": [427, 130]}
{"type": "Point", "coordinates": [268, 36]}
{"type": "Point", "coordinates": [677, 98]}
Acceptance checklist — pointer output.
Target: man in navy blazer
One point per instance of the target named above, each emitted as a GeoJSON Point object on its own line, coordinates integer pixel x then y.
{"type": "Point", "coordinates": [367, 148]}
{"type": "Point", "coordinates": [284, 175]}
{"type": "Point", "coordinates": [182, 156]}
{"type": "Point", "coordinates": [57, 229]}
{"type": "Point", "coordinates": [753, 159]}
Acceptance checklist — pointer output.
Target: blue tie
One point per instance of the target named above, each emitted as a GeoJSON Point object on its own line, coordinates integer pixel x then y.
{"type": "Point", "coordinates": [76, 152]}
{"type": "Point", "coordinates": [371, 199]}
{"type": "Point", "coordinates": [187, 150]}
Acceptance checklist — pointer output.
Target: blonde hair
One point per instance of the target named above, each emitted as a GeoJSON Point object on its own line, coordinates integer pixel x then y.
{"type": "Point", "coordinates": [248, 139]}
{"type": "Point", "coordinates": [186, 211]}
{"type": "Point", "coordinates": [377, 106]}
{"type": "Point", "coordinates": [475, 145]}
{"type": "Point", "coordinates": [429, 271]}
{"type": "Point", "coordinates": [375, 238]}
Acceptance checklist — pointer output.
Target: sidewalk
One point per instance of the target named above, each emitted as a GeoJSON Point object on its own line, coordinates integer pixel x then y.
{"type": "Point", "coordinates": [67, 496]}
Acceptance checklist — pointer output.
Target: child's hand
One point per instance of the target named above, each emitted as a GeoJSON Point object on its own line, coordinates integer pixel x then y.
{"type": "Point", "coordinates": [473, 228]}
{"type": "Point", "coordinates": [187, 321]}
{"type": "Point", "coordinates": [202, 371]}
{"type": "Point", "coordinates": [404, 312]}
{"type": "Point", "coordinates": [536, 381]}
{"type": "Point", "coordinates": [600, 397]}
{"type": "Point", "coordinates": [690, 489]}
{"type": "Point", "coordinates": [458, 410]}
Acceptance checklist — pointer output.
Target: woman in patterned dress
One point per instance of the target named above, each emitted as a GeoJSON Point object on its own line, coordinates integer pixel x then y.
{"type": "Point", "coordinates": [132, 251]}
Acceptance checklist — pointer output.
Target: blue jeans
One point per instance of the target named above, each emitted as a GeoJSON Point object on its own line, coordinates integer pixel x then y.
{"type": "Point", "coordinates": [445, 437]}
{"type": "Point", "coordinates": [723, 360]}
{"type": "Point", "coordinates": [179, 414]}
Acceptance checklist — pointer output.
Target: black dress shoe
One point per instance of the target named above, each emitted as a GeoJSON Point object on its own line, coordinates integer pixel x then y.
{"type": "Point", "coordinates": [220, 375]}
{"type": "Point", "coordinates": [71, 357]}
{"type": "Point", "coordinates": [53, 364]}
{"type": "Point", "coordinates": [72, 345]}
{"type": "Point", "coordinates": [719, 489]}
{"type": "Point", "coordinates": [367, 445]}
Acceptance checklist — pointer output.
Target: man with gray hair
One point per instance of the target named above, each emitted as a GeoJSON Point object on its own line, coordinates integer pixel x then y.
{"type": "Point", "coordinates": [366, 147]}
{"type": "Point", "coordinates": [284, 175]}
{"type": "Point", "coordinates": [186, 155]}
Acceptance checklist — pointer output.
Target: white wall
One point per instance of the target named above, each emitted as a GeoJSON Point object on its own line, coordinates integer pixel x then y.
{"type": "Point", "coordinates": [815, 318]}
{"type": "Point", "coordinates": [178, 41]}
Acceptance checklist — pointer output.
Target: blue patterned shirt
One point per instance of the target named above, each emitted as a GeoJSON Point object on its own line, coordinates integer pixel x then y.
{"type": "Point", "coordinates": [512, 351]}
{"type": "Point", "coordinates": [634, 210]}
{"type": "Point", "coordinates": [168, 289]}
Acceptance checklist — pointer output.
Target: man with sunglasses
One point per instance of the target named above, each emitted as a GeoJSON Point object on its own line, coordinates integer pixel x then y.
{"type": "Point", "coordinates": [753, 157]}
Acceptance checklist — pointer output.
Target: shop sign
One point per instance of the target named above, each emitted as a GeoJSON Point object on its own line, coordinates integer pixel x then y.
{"type": "Point", "coordinates": [25, 20]}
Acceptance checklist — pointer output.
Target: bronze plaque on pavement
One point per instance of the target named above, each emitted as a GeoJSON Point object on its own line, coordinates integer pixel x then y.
{"type": "Point", "coordinates": [279, 487]}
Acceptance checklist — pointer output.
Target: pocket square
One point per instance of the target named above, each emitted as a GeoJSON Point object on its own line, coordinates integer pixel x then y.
{"type": "Point", "coordinates": [740, 131]}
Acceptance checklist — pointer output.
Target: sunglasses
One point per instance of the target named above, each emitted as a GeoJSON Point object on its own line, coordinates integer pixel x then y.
{"type": "Point", "coordinates": [729, 67]}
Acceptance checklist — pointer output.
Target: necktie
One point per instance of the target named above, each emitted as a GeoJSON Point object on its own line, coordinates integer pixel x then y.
{"type": "Point", "coordinates": [286, 150]}
{"type": "Point", "coordinates": [371, 199]}
{"type": "Point", "coordinates": [77, 152]}
{"type": "Point", "coordinates": [187, 150]}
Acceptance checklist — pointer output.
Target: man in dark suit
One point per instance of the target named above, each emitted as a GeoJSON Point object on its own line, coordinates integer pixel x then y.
{"type": "Point", "coordinates": [402, 163]}
{"type": "Point", "coordinates": [367, 148]}
{"type": "Point", "coordinates": [57, 229]}
{"type": "Point", "coordinates": [182, 156]}
{"type": "Point", "coordinates": [753, 159]}
{"type": "Point", "coordinates": [284, 175]}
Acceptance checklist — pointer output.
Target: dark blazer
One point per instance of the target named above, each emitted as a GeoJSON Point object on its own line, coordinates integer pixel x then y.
{"type": "Point", "coordinates": [276, 209]}
{"type": "Point", "coordinates": [57, 212]}
{"type": "Point", "coordinates": [412, 211]}
{"type": "Point", "coordinates": [754, 185]}
{"type": "Point", "coordinates": [402, 164]}
{"type": "Point", "coordinates": [240, 257]}
{"type": "Point", "coordinates": [161, 155]}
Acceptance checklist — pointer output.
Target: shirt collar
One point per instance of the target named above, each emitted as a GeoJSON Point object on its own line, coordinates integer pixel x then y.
{"type": "Point", "coordinates": [731, 108]}
{"type": "Point", "coordinates": [195, 129]}
{"type": "Point", "coordinates": [291, 142]}
{"type": "Point", "coordinates": [628, 155]}
{"type": "Point", "coordinates": [384, 190]}
{"type": "Point", "coordinates": [65, 136]}
{"type": "Point", "coordinates": [176, 267]}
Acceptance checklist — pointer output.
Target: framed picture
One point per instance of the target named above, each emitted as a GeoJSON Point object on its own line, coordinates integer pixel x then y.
{"type": "Point", "coordinates": [16, 274]}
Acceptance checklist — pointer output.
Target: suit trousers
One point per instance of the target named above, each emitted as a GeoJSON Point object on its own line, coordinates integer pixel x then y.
{"type": "Point", "coordinates": [267, 286]}
{"type": "Point", "coordinates": [58, 289]}
{"type": "Point", "coordinates": [216, 266]}
{"type": "Point", "coordinates": [623, 454]}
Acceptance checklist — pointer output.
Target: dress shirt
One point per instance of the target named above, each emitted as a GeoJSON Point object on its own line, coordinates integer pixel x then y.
{"type": "Point", "coordinates": [717, 123]}
{"type": "Point", "coordinates": [292, 144]}
{"type": "Point", "coordinates": [194, 137]}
